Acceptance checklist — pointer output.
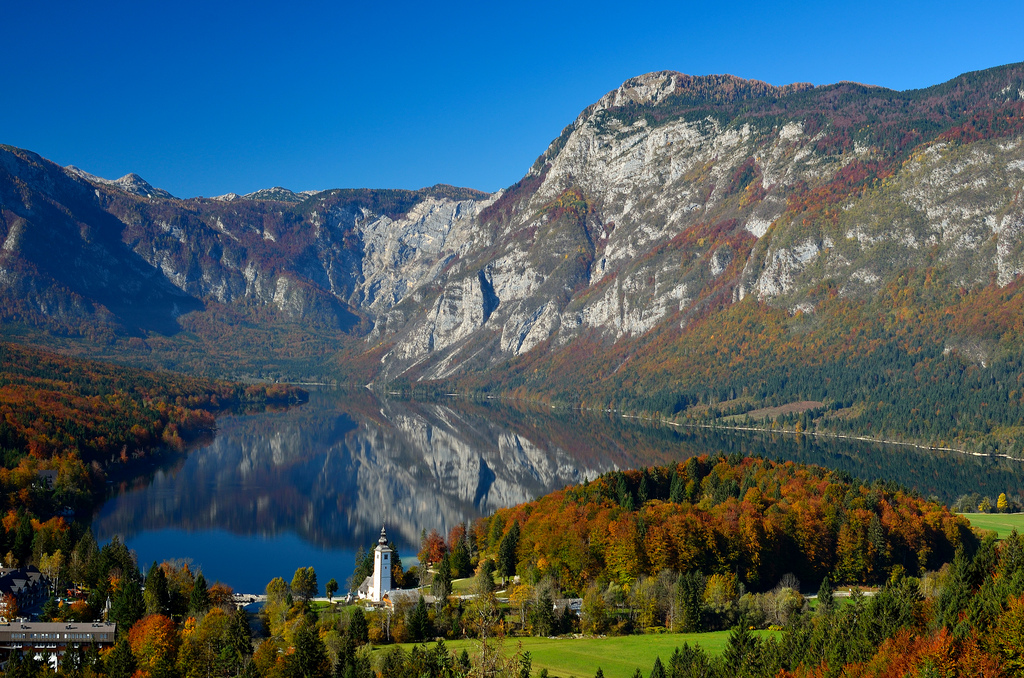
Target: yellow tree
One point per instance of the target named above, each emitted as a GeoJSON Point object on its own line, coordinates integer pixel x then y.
{"type": "Point", "coordinates": [520, 597]}
{"type": "Point", "coordinates": [1001, 504]}
{"type": "Point", "coordinates": [154, 643]}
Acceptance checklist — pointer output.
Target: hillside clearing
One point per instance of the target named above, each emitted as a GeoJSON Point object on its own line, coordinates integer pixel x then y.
{"type": "Point", "coordinates": [617, 656]}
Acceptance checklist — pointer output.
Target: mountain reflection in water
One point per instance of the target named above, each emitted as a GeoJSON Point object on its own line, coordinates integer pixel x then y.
{"type": "Point", "coordinates": [309, 485]}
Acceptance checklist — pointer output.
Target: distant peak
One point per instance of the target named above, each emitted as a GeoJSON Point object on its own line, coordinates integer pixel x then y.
{"type": "Point", "coordinates": [129, 183]}
{"type": "Point", "coordinates": [277, 193]}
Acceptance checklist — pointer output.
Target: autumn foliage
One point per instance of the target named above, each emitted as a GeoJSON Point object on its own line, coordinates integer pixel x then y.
{"type": "Point", "coordinates": [753, 517]}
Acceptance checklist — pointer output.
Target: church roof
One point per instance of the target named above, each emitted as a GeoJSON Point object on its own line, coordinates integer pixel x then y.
{"type": "Point", "coordinates": [365, 586]}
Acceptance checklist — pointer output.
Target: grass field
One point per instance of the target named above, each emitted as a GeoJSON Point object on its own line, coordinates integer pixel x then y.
{"type": "Point", "coordinates": [617, 656]}
{"type": "Point", "coordinates": [1001, 523]}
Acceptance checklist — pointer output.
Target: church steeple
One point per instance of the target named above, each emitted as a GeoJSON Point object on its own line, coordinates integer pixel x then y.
{"type": "Point", "coordinates": [381, 582]}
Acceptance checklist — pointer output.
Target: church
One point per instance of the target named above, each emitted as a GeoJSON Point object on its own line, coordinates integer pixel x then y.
{"type": "Point", "coordinates": [376, 587]}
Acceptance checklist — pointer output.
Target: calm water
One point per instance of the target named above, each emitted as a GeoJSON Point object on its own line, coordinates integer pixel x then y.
{"type": "Point", "coordinates": [310, 485]}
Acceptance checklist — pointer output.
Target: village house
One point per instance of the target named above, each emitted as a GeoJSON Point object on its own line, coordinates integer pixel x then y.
{"type": "Point", "coordinates": [28, 585]}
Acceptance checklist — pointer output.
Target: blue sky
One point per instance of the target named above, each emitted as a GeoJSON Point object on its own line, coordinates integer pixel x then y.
{"type": "Point", "coordinates": [203, 98]}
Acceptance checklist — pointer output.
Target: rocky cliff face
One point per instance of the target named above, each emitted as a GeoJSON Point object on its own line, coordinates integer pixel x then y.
{"type": "Point", "coordinates": [661, 198]}
{"type": "Point", "coordinates": [668, 198]}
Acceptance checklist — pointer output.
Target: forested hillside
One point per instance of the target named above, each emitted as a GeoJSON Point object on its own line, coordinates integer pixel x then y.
{"type": "Point", "coordinates": [83, 420]}
{"type": "Point", "coordinates": [746, 518]}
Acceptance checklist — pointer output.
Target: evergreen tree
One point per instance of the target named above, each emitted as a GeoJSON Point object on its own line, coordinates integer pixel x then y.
{"type": "Point", "coordinates": [677, 488]}
{"type": "Point", "coordinates": [84, 559]}
{"type": "Point", "coordinates": [690, 588]}
{"type": "Point", "coordinates": [363, 569]}
{"type": "Point", "coordinates": [120, 662]}
{"type": "Point", "coordinates": [599, 674]}
{"type": "Point", "coordinates": [72, 664]}
{"type": "Point", "coordinates": [441, 586]}
{"type": "Point", "coordinates": [157, 596]}
{"type": "Point", "coordinates": [525, 666]}
{"type": "Point", "coordinates": [1011, 555]}
{"type": "Point", "coordinates": [739, 650]}
{"type": "Point", "coordinates": [544, 616]}
{"type": "Point", "coordinates": [658, 670]}
{"type": "Point", "coordinates": [397, 573]}
{"type": "Point", "coordinates": [50, 609]}
{"type": "Point", "coordinates": [484, 582]}
{"type": "Point", "coordinates": [23, 666]}
{"type": "Point", "coordinates": [199, 598]}
{"type": "Point", "coordinates": [239, 638]}
{"type": "Point", "coordinates": [956, 594]}
{"type": "Point", "coordinates": [127, 605]}
{"type": "Point", "coordinates": [826, 598]}
{"type": "Point", "coordinates": [358, 628]}
{"type": "Point", "coordinates": [310, 654]}
{"type": "Point", "coordinates": [643, 492]}
{"type": "Point", "coordinates": [419, 621]}
{"type": "Point", "coordinates": [507, 557]}
{"type": "Point", "coordinates": [461, 563]}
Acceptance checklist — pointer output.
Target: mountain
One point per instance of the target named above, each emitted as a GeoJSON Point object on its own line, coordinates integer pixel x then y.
{"type": "Point", "coordinates": [129, 183]}
{"type": "Point", "coordinates": [688, 246]}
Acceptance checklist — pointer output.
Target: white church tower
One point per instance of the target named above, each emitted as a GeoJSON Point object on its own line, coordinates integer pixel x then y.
{"type": "Point", "coordinates": [381, 582]}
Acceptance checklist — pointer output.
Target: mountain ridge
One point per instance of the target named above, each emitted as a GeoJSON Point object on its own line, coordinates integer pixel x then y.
{"type": "Point", "coordinates": [672, 206]}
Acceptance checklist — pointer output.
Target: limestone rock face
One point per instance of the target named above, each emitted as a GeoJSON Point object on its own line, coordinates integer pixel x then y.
{"type": "Point", "coordinates": [670, 195]}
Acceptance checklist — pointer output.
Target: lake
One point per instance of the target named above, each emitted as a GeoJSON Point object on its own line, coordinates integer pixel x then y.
{"type": "Point", "coordinates": [309, 485]}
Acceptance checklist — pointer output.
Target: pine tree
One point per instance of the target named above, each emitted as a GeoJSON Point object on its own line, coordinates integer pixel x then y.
{"type": "Point", "coordinates": [742, 644]}
{"type": "Point", "coordinates": [461, 565]}
{"type": "Point", "coordinates": [507, 558]}
{"type": "Point", "coordinates": [357, 626]}
{"type": "Point", "coordinates": [544, 616]}
{"type": "Point", "coordinates": [525, 665]}
{"type": "Point", "coordinates": [120, 662]}
{"type": "Point", "coordinates": [677, 488]}
{"type": "Point", "coordinates": [50, 610]}
{"type": "Point", "coordinates": [310, 654]}
{"type": "Point", "coordinates": [127, 605]}
{"type": "Point", "coordinates": [419, 621]}
{"type": "Point", "coordinates": [157, 596]}
{"type": "Point", "coordinates": [239, 637]}
{"type": "Point", "coordinates": [956, 593]}
{"type": "Point", "coordinates": [199, 598]}
{"type": "Point", "coordinates": [441, 586]}
{"type": "Point", "coordinates": [658, 670]}
{"type": "Point", "coordinates": [826, 598]}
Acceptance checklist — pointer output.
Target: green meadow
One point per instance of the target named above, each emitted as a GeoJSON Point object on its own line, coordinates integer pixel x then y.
{"type": "Point", "coordinates": [1000, 523]}
{"type": "Point", "coordinates": [617, 656]}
